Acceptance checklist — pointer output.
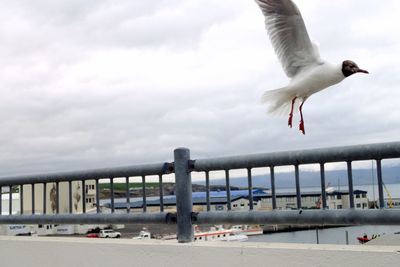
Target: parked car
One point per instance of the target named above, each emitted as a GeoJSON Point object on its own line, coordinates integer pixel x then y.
{"type": "Point", "coordinates": [92, 235]}
{"type": "Point", "coordinates": [106, 233]}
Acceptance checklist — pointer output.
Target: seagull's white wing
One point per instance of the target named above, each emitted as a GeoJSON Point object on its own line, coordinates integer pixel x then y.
{"type": "Point", "coordinates": [289, 35]}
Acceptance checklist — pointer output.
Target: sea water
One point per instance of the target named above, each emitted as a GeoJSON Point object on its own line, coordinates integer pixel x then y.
{"type": "Point", "coordinates": [327, 235]}
{"type": "Point", "coordinates": [334, 235]}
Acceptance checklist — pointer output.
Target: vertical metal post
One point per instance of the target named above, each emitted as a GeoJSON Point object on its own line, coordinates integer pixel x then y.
{"type": "Point", "coordinates": [128, 199]}
{"type": "Point", "coordinates": [250, 184]}
{"type": "Point", "coordinates": [273, 192]}
{"type": "Point", "coordinates": [57, 197]}
{"type": "Point", "coordinates": [350, 179]}
{"type": "Point", "coordinates": [144, 201]}
{"type": "Point", "coordinates": [380, 184]}
{"type": "Point", "coordinates": [21, 202]}
{"type": "Point", "coordinates": [44, 198]}
{"type": "Point", "coordinates": [10, 200]}
{"type": "Point", "coordinates": [184, 202]}
{"type": "Point", "coordinates": [347, 237]}
{"type": "Point", "coordinates": [83, 196]}
{"type": "Point", "coordinates": [160, 182]}
{"type": "Point", "coordinates": [70, 196]}
{"type": "Point", "coordinates": [97, 196]}
{"type": "Point", "coordinates": [316, 231]}
{"type": "Point", "coordinates": [228, 190]}
{"type": "Point", "coordinates": [297, 178]}
{"type": "Point", "coordinates": [33, 198]}
{"type": "Point", "coordinates": [1, 199]}
{"type": "Point", "coordinates": [323, 186]}
{"type": "Point", "coordinates": [112, 194]}
{"type": "Point", "coordinates": [208, 191]}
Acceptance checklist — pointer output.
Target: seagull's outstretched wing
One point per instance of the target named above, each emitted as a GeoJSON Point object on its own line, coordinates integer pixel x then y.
{"type": "Point", "coordinates": [289, 35]}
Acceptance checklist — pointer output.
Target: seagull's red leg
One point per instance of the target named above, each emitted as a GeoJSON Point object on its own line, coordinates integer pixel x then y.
{"type": "Point", "coordinates": [291, 112]}
{"type": "Point", "coordinates": [301, 126]}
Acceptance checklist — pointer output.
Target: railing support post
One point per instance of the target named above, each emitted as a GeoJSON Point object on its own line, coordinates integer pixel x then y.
{"type": "Point", "coordinates": [183, 193]}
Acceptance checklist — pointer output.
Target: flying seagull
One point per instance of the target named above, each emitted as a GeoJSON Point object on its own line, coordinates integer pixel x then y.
{"type": "Point", "coordinates": [300, 60]}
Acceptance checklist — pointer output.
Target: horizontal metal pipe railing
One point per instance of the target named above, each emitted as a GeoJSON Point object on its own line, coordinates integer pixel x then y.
{"type": "Point", "coordinates": [184, 166]}
{"type": "Point", "coordinates": [322, 155]}
{"type": "Point", "coordinates": [99, 218]}
{"type": "Point", "coordinates": [303, 217]}
{"type": "Point", "coordinates": [102, 173]}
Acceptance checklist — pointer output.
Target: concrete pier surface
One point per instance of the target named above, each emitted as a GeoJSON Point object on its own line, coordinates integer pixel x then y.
{"type": "Point", "coordinates": [64, 251]}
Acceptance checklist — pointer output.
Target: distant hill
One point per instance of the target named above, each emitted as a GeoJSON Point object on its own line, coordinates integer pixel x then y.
{"type": "Point", "coordinates": [391, 175]}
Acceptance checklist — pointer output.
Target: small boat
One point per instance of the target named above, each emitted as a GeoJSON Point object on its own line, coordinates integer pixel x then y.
{"type": "Point", "coordinates": [143, 235]}
{"type": "Point", "coordinates": [218, 233]}
{"type": "Point", "coordinates": [248, 229]}
{"type": "Point", "coordinates": [364, 239]}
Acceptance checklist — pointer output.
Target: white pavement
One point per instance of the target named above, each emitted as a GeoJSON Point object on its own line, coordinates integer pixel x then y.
{"type": "Point", "coordinates": [69, 251]}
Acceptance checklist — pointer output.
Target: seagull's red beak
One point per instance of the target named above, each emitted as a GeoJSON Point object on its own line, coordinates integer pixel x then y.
{"type": "Point", "coordinates": [363, 71]}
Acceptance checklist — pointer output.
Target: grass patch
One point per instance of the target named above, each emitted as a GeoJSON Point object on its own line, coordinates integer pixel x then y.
{"type": "Point", "coordinates": [122, 186]}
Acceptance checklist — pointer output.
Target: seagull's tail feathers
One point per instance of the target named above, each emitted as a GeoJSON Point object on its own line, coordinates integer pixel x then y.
{"type": "Point", "coordinates": [279, 101]}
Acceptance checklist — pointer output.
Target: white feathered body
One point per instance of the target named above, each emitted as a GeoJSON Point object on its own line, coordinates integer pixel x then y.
{"type": "Point", "coordinates": [309, 81]}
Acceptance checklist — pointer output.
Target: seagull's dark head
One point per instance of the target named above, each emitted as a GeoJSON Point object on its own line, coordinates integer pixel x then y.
{"type": "Point", "coordinates": [349, 68]}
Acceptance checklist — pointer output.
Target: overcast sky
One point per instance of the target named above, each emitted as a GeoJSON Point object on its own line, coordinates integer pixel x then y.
{"type": "Point", "coordinates": [88, 84]}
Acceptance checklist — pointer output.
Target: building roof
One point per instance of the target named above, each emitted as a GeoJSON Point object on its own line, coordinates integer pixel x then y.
{"type": "Point", "coordinates": [218, 197]}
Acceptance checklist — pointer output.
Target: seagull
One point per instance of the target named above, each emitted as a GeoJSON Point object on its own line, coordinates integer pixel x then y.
{"type": "Point", "coordinates": [300, 60]}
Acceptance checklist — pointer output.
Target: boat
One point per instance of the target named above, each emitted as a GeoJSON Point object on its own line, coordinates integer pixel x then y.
{"type": "Point", "coordinates": [364, 239]}
{"type": "Point", "coordinates": [218, 233]}
{"type": "Point", "coordinates": [143, 235]}
{"type": "Point", "coordinates": [248, 229]}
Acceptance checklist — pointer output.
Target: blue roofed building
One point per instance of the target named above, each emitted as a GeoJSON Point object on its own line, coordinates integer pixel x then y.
{"type": "Point", "coordinates": [262, 200]}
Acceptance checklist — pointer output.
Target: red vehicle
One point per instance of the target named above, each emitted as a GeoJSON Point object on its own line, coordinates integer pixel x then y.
{"type": "Point", "coordinates": [92, 235]}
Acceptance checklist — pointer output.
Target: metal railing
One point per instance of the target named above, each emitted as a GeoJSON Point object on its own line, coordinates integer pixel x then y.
{"type": "Point", "coordinates": [159, 169]}
{"type": "Point", "coordinates": [183, 166]}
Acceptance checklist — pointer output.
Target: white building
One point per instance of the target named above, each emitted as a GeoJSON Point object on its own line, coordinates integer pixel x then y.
{"type": "Point", "coordinates": [63, 198]}
{"type": "Point", "coordinates": [5, 203]}
{"type": "Point", "coordinates": [312, 200]}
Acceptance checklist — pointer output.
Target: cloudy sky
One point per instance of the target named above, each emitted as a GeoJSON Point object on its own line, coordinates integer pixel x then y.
{"type": "Point", "coordinates": [87, 84]}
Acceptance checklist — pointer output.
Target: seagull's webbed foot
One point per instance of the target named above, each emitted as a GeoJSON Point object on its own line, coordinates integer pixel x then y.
{"type": "Point", "coordinates": [290, 120]}
{"type": "Point", "coordinates": [301, 127]}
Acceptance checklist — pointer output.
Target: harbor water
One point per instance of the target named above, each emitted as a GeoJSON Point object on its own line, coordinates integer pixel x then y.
{"type": "Point", "coordinates": [327, 235]}
{"type": "Point", "coordinates": [334, 235]}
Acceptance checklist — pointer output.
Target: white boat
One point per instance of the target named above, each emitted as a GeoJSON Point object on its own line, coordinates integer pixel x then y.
{"type": "Point", "coordinates": [143, 235]}
{"type": "Point", "coordinates": [218, 233]}
{"type": "Point", "coordinates": [248, 229]}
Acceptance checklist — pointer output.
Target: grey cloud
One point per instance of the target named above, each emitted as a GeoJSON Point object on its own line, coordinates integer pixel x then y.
{"type": "Point", "coordinates": [113, 83]}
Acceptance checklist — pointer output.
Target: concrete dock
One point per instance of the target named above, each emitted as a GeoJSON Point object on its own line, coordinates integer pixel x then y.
{"type": "Point", "coordinates": [63, 251]}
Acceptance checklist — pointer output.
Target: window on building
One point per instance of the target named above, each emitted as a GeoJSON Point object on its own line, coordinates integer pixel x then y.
{"type": "Point", "coordinates": [358, 205]}
{"type": "Point", "coordinates": [339, 207]}
{"type": "Point", "coordinates": [339, 196]}
{"type": "Point", "coordinates": [219, 207]}
{"type": "Point", "coordinates": [358, 196]}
